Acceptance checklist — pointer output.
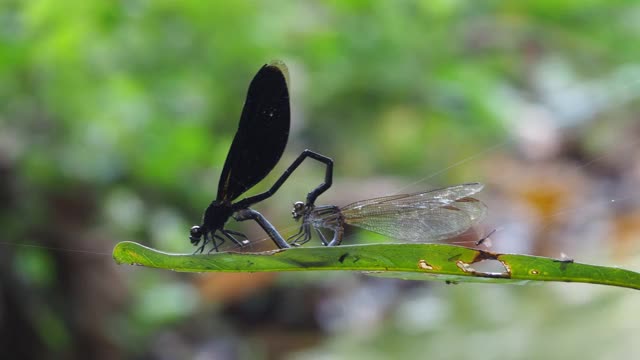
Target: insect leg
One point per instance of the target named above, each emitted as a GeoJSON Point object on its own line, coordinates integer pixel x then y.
{"type": "Point", "coordinates": [304, 237]}
{"type": "Point", "coordinates": [216, 244]}
{"type": "Point", "coordinates": [236, 233]}
{"type": "Point", "coordinates": [200, 248]}
{"type": "Point", "coordinates": [229, 235]}
{"type": "Point", "coordinates": [322, 237]}
{"type": "Point", "coordinates": [295, 237]}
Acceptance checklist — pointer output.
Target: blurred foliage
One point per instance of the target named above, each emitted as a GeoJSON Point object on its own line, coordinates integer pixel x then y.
{"type": "Point", "coordinates": [116, 117]}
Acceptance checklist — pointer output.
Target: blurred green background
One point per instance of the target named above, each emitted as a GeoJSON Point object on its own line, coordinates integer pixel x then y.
{"type": "Point", "coordinates": [116, 117]}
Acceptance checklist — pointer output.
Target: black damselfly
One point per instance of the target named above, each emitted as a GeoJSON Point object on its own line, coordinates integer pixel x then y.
{"type": "Point", "coordinates": [420, 217]}
{"type": "Point", "coordinates": [256, 148]}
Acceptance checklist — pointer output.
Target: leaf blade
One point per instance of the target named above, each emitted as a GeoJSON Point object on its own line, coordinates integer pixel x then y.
{"type": "Point", "coordinates": [431, 261]}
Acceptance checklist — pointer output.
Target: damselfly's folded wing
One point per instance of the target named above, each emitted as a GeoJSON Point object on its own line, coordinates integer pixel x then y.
{"type": "Point", "coordinates": [262, 133]}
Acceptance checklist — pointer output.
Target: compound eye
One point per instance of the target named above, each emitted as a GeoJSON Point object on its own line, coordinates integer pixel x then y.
{"type": "Point", "coordinates": [298, 209]}
{"type": "Point", "coordinates": [195, 234]}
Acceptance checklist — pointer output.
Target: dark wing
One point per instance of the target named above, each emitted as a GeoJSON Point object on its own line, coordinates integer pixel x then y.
{"type": "Point", "coordinates": [262, 133]}
{"type": "Point", "coordinates": [422, 217]}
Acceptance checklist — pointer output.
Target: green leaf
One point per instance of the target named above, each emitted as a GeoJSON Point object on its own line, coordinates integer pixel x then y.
{"type": "Point", "coordinates": [406, 261]}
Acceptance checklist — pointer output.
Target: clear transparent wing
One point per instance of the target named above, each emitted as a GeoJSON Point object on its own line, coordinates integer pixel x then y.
{"type": "Point", "coordinates": [430, 199]}
{"type": "Point", "coordinates": [422, 217]}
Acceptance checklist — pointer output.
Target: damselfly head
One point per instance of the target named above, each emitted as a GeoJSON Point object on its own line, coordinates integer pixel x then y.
{"type": "Point", "coordinates": [298, 210]}
{"type": "Point", "coordinates": [195, 235]}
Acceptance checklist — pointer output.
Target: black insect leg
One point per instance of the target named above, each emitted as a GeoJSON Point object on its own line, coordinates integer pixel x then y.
{"type": "Point", "coordinates": [236, 233]}
{"type": "Point", "coordinates": [311, 197]}
{"type": "Point", "coordinates": [303, 237]}
{"type": "Point", "coordinates": [216, 244]}
{"type": "Point", "coordinates": [250, 214]}
{"type": "Point", "coordinates": [240, 243]}
{"type": "Point", "coordinates": [295, 239]}
{"type": "Point", "coordinates": [297, 236]}
{"type": "Point", "coordinates": [200, 248]}
{"type": "Point", "coordinates": [229, 235]}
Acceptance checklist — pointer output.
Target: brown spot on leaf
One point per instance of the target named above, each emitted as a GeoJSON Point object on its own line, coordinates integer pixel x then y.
{"type": "Point", "coordinates": [422, 264]}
